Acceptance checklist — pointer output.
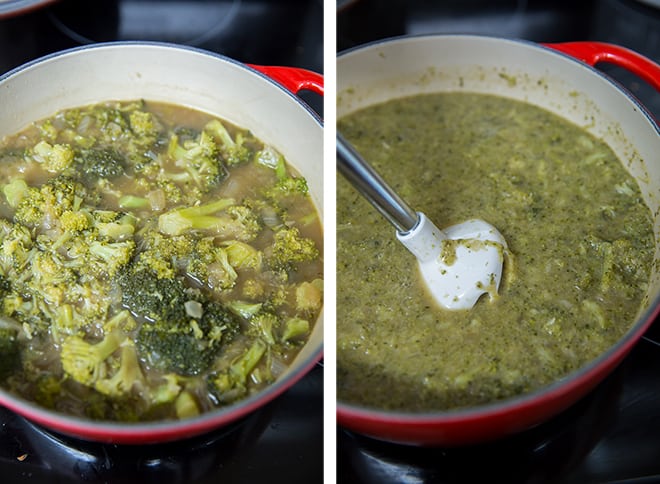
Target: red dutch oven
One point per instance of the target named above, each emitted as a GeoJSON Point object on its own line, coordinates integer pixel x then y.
{"type": "Point", "coordinates": [561, 79]}
{"type": "Point", "coordinates": [260, 98]}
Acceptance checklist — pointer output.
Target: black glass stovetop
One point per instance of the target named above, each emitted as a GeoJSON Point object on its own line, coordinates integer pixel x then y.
{"type": "Point", "coordinates": [613, 434]}
{"type": "Point", "coordinates": [281, 442]}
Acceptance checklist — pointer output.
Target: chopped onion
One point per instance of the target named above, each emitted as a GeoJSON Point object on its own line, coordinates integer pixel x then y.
{"type": "Point", "coordinates": [193, 309]}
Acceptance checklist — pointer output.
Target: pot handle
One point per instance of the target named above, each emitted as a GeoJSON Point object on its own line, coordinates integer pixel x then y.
{"type": "Point", "coordinates": [294, 79]}
{"type": "Point", "coordinates": [594, 52]}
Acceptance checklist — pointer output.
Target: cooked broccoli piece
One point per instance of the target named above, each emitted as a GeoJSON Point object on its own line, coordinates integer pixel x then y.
{"type": "Point", "coordinates": [109, 258]}
{"type": "Point", "coordinates": [126, 377]}
{"type": "Point", "coordinates": [174, 349]}
{"type": "Point", "coordinates": [199, 160]}
{"type": "Point", "coordinates": [221, 217]}
{"type": "Point", "coordinates": [186, 405]}
{"type": "Point", "coordinates": [270, 158]}
{"type": "Point", "coordinates": [16, 245]}
{"type": "Point", "coordinates": [167, 391]}
{"type": "Point", "coordinates": [264, 325]}
{"type": "Point", "coordinates": [14, 191]}
{"type": "Point", "coordinates": [148, 296]}
{"type": "Point", "coordinates": [10, 350]}
{"type": "Point", "coordinates": [309, 295]}
{"type": "Point", "coordinates": [209, 265]}
{"type": "Point", "coordinates": [85, 362]}
{"type": "Point", "coordinates": [143, 123]}
{"type": "Point", "coordinates": [180, 220]}
{"type": "Point", "coordinates": [287, 186]}
{"type": "Point", "coordinates": [164, 254]}
{"type": "Point", "coordinates": [242, 256]}
{"type": "Point", "coordinates": [219, 323]}
{"type": "Point", "coordinates": [47, 390]}
{"type": "Point", "coordinates": [231, 384]}
{"type": "Point", "coordinates": [131, 201]}
{"type": "Point", "coordinates": [290, 248]}
{"type": "Point", "coordinates": [96, 163]}
{"type": "Point", "coordinates": [75, 221]}
{"type": "Point", "coordinates": [232, 150]}
{"type": "Point", "coordinates": [45, 205]}
{"type": "Point", "coordinates": [187, 346]}
{"type": "Point", "coordinates": [244, 309]}
{"type": "Point", "coordinates": [54, 158]}
{"type": "Point", "coordinates": [117, 226]}
{"type": "Point", "coordinates": [295, 328]}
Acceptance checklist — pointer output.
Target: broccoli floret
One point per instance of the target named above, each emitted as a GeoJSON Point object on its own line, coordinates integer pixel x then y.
{"type": "Point", "coordinates": [189, 345]}
{"type": "Point", "coordinates": [231, 384]}
{"type": "Point", "coordinates": [96, 163]}
{"type": "Point", "coordinates": [54, 158]}
{"type": "Point", "coordinates": [118, 227]}
{"type": "Point", "coordinates": [75, 221]}
{"type": "Point", "coordinates": [85, 362]}
{"type": "Point", "coordinates": [16, 245]}
{"type": "Point", "coordinates": [108, 258]}
{"type": "Point", "coordinates": [148, 296]}
{"type": "Point", "coordinates": [219, 323]}
{"type": "Point", "coordinates": [199, 160]}
{"type": "Point", "coordinates": [126, 377]}
{"type": "Point", "coordinates": [164, 254]}
{"type": "Point", "coordinates": [209, 265]}
{"type": "Point", "coordinates": [309, 296]}
{"type": "Point", "coordinates": [264, 325]}
{"type": "Point", "coordinates": [45, 205]}
{"type": "Point", "coordinates": [174, 349]}
{"type": "Point", "coordinates": [143, 123]}
{"type": "Point", "coordinates": [290, 248]}
{"type": "Point", "coordinates": [287, 186]}
{"type": "Point", "coordinates": [232, 150]}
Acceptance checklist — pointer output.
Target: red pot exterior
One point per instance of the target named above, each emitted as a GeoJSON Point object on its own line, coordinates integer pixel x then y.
{"type": "Point", "coordinates": [390, 69]}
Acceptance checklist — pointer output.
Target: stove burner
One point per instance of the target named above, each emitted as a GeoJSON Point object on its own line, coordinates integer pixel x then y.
{"type": "Point", "coordinates": [546, 452]}
{"type": "Point", "coordinates": [72, 459]}
{"type": "Point", "coordinates": [192, 23]}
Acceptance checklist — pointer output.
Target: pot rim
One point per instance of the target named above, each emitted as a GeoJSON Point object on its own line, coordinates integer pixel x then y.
{"type": "Point", "coordinates": [156, 44]}
{"type": "Point", "coordinates": [572, 382]}
{"type": "Point", "coordinates": [528, 43]}
{"type": "Point", "coordinates": [162, 431]}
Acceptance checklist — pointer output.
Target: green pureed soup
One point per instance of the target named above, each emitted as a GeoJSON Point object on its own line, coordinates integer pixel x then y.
{"type": "Point", "coordinates": [155, 262]}
{"type": "Point", "coordinates": [580, 249]}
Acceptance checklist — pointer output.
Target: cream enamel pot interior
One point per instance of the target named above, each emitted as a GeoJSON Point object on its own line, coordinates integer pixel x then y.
{"type": "Point", "coordinates": [545, 77]}
{"type": "Point", "coordinates": [189, 77]}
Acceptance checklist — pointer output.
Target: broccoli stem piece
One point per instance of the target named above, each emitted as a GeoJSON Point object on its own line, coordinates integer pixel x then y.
{"type": "Point", "coordinates": [131, 201]}
{"type": "Point", "coordinates": [185, 405]}
{"type": "Point", "coordinates": [180, 220]}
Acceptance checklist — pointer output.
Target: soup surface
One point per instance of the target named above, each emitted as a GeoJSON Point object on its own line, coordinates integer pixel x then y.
{"type": "Point", "coordinates": [580, 247]}
{"type": "Point", "coordinates": [155, 262]}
